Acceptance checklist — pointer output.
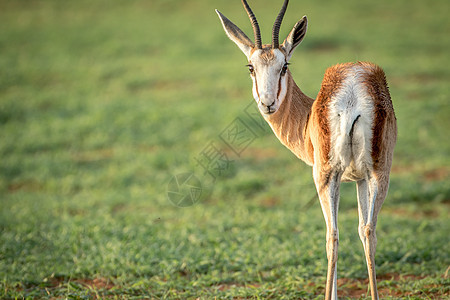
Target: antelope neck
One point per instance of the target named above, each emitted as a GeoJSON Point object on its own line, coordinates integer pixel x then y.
{"type": "Point", "coordinates": [289, 121]}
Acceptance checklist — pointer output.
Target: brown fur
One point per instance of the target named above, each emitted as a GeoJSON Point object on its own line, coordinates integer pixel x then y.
{"type": "Point", "coordinates": [303, 126]}
{"type": "Point", "coordinates": [384, 116]}
{"type": "Point", "coordinates": [301, 123]}
{"type": "Point", "coordinates": [266, 54]}
{"type": "Point", "coordinates": [289, 121]}
{"type": "Point", "coordinates": [331, 84]}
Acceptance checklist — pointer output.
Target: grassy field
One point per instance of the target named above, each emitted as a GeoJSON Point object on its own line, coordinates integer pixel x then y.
{"type": "Point", "coordinates": [102, 103]}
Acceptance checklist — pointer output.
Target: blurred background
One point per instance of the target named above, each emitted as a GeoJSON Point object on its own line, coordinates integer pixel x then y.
{"type": "Point", "coordinates": [103, 103]}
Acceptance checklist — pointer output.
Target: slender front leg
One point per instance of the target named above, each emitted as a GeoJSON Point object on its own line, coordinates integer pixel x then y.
{"type": "Point", "coordinates": [371, 195]}
{"type": "Point", "coordinates": [327, 184]}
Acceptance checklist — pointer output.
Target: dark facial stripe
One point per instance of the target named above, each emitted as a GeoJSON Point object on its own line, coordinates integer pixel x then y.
{"type": "Point", "coordinates": [279, 88]}
{"type": "Point", "coordinates": [256, 86]}
{"type": "Point", "coordinates": [279, 83]}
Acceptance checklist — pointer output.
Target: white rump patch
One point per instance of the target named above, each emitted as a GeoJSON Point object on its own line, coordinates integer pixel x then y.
{"type": "Point", "coordinates": [351, 116]}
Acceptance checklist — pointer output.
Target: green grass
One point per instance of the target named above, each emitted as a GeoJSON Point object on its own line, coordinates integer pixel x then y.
{"type": "Point", "coordinates": [102, 103]}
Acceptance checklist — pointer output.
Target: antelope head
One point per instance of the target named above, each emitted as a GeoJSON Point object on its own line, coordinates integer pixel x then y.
{"type": "Point", "coordinates": [268, 64]}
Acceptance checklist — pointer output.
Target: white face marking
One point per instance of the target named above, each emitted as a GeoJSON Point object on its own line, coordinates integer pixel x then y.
{"type": "Point", "coordinates": [269, 82]}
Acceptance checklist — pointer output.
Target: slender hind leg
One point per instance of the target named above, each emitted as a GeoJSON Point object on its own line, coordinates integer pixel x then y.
{"type": "Point", "coordinates": [327, 184]}
{"type": "Point", "coordinates": [371, 194]}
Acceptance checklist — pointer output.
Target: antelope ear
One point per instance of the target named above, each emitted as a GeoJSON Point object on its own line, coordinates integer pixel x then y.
{"type": "Point", "coordinates": [236, 35]}
{"type": "Point", "coordinates": [295, 36]}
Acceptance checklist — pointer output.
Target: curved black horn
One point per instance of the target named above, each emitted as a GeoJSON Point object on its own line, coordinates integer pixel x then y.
{"type": "Point", "coordinates": [255, 25]}
{"type": "Point", "coordinates": [277, 24]}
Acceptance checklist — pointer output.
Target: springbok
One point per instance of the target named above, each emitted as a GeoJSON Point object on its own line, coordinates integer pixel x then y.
{"type": "Point", "coordinates": [347, 133]}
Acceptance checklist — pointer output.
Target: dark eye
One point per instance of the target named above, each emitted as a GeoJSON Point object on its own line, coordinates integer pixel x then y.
{"type": "Point", "coordinates": [284, 69]}
{"type": "Point", "coordinates": [251, 69]}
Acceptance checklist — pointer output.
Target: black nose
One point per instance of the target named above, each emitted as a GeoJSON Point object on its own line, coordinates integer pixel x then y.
{"type": "Point", "coordinates": [268, 106]}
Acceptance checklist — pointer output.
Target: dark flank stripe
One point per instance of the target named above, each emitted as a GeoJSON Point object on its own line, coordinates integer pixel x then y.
{"type": "Point", "coordinates": [375, 81]}
{"type": "Point", "coordinates": [331, 84]}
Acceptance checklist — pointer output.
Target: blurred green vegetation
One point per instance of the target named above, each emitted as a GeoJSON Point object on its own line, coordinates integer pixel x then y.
{"type": "Point", "coordinates": [101, 103]}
